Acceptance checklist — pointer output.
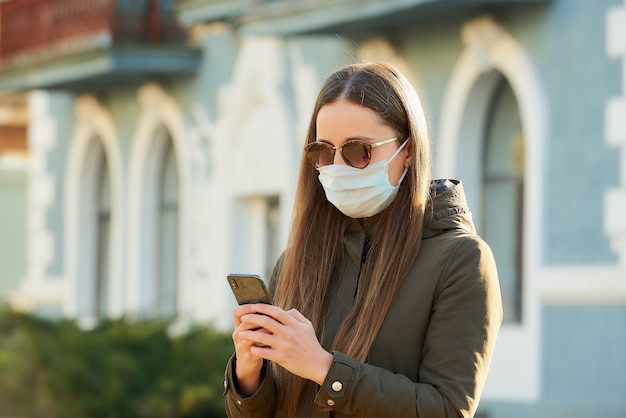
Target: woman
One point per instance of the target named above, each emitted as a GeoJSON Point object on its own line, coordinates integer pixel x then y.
{"type": "Point", "coordinates": [387, 302]}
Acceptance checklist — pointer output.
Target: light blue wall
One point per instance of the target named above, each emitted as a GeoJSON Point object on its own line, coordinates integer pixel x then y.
{"type": "Point", "coordinates": [13, 191]}
{"type": "Point", "coordinates": [432, 51]}
{"type": "Point", "coordinates": [584, 365]}
{"type": "Point", "coordinates": [219, 54]}
{"type": "Point", "coordinates": [567, 42]}
{"type": "Point", "coordinates": [585, 352]}
{"type": "Point", "coordinates": [61, 108]}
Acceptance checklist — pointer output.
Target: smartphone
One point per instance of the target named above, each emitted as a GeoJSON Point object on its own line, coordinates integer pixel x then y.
{"type": "Point", "coordinates": [249, 288]}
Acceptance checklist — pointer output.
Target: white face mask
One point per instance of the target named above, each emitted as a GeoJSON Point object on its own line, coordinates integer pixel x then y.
{"type": "Point", "coordinates": [360, 192]}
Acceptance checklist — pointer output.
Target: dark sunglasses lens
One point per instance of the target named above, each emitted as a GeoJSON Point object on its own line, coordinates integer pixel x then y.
{"type": "Point", "coordinates": [320, 154]}
{"type": "Point", "coordinates": [355, 153]}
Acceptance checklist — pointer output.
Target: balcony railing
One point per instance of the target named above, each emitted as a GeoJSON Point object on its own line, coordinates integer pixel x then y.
{"type": "Point", "coordinates": [33, 27]}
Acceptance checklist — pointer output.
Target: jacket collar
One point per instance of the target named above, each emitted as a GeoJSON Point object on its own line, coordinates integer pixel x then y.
{"type": "Point", "coordinates": [447, 209]}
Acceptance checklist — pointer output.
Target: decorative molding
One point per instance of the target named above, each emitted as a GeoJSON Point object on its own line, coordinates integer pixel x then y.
{"type": "Point", "coordinates": [44, 293]}
{"type": "Point", "coordinates": [381, 49]}
{"type": "Point", "coordinates": [582, 284]}
{"type": "Point", "coordinates": [42, 138]}
{"type": "Point", "coordinates": [38, 288]}
{"type": "Point", "coordinates": [615, 199]}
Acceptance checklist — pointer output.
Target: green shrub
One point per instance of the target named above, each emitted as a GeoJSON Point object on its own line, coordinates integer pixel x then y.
{"type": "Point", "coordinates": [118, 369]}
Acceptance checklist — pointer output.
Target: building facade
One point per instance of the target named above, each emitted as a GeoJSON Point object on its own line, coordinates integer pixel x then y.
{"type": "Point", "coordinates": [159, 163]}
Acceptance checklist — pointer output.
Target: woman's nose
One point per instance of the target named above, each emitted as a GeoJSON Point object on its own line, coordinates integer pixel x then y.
{"type": "Point", "coordinates": [338, 158]}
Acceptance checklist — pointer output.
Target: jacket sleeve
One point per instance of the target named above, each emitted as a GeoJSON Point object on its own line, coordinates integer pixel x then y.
{"type": "Point", "coordinates": [465, 319]}
{"type": "Point", "coordinates": [260, 404]}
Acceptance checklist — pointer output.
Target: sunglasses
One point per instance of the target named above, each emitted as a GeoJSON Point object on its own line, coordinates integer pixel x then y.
{"type": "Point", "coordinates": [355, 152]}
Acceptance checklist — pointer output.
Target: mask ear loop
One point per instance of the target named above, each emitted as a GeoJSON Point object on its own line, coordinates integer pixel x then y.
{"type": "Point", "coordinates": [406, 168]}
{"type": "Point", "coordinates": [398, 150]}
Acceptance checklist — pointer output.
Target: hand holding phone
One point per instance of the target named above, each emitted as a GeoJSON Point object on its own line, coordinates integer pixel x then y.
{"type": "Point", "coordinates": [249, 288]}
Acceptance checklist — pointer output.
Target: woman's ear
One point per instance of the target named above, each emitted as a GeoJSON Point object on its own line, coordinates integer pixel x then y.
{"type": "Point", "coordinates": [409, 155]}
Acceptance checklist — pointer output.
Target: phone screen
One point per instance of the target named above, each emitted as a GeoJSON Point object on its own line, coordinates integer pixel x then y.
{"type": "Point", "coordinates": [249, 288]}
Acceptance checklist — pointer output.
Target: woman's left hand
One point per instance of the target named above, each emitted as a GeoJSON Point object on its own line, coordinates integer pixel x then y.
{"type": "Point", "coordinates": [288, 340]}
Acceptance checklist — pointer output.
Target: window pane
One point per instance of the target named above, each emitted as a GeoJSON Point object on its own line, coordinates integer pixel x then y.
{"type": "Point", "coordinates": [102, 228]}
{"type": "Point", "coordinates": [167, 257]}
{"type": "Point", "coordinates": [272, 222]}
{"type": "Point", "coordinates": [503, 192]}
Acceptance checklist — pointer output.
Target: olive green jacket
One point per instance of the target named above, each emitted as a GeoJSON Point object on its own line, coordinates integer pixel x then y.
{"type": "Point", "coordinates": [432, 353]}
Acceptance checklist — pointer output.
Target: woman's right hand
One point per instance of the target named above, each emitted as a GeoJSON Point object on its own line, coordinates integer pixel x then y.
{"type": "Point", "coordinates": [248, 366]}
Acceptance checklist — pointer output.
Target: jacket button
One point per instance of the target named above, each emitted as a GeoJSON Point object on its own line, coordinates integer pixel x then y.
{"type": "Point", "coordinates": [337, 386]}
{"type": "Point", "coordinates": [330, 402]}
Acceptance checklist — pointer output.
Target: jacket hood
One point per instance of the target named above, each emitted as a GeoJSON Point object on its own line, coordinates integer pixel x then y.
{"type": "Point", "coordinates": [447, 209]}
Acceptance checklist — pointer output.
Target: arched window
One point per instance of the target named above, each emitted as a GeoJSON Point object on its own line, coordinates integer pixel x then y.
{"type": "Point", "coordinates": [503, 195]}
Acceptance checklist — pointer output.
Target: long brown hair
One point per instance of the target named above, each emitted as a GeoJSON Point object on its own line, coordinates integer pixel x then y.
{"type": "Point", "coordinates": [316, 240]}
